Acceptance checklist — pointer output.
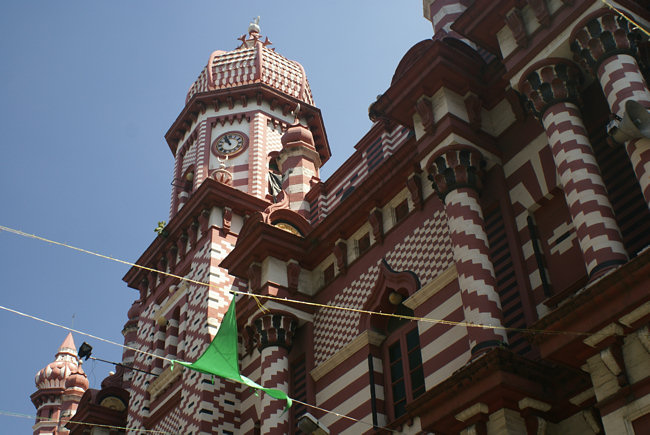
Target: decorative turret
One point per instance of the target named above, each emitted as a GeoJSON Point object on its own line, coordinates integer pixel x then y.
{"type": "Point", "coordinates": [299, 164]}
{"type": "Point", "coordinates": [238, 109]}
{"type": "Point", "coordinates": [60, 386]}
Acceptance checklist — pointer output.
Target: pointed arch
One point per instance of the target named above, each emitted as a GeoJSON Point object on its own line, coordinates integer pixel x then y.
{"type": "Point", "coordinates": [404, 283]}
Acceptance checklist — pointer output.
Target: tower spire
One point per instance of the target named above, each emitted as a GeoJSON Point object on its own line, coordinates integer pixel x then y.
{"type": "Point", "coordinates": [60, 386]}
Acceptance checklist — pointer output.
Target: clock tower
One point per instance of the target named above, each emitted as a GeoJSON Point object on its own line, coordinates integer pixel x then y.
{"type": "Point", "coordinates": [230, 163]}
{"type": "Point", "coordinates": [238, 109]}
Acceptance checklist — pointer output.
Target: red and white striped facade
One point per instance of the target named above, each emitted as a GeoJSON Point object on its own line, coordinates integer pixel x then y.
{"type": "Point", "coordinates": [457, 174]}
{"type": "Point", "coordinates": [484, 200]}
{"type": "Point", "coordinates": [607, 45]}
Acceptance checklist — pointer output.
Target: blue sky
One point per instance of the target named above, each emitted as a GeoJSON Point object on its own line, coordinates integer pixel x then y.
{"type": "Point", "coordinates": [87, 92]}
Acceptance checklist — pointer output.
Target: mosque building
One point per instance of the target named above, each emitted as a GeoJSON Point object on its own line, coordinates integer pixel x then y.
{"type": "Point", "coordinates": [496, 213]}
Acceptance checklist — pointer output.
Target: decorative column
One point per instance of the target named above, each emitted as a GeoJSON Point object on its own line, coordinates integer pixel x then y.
{"type": "Point", "coordinates": [274, 337]}
{"type": "Point", "coordinates": [552, 92]}
{"type": "Point", "coordinates": [607, 47]}
{"type": "Point", "coordinates": [456, 174]}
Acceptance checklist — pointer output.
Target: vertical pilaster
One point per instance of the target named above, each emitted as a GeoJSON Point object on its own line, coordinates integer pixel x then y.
{"type": "Point", "coordinates": [553, 93]}
{"type": "Point", "coordinates": [182, 331]}
{"type": "Point", "coordinates": [456, 174]}
{"type": "Point", "coordinates": [257, 160]}
{"type": "Point", "coordinates": [171, 341]}
{"type": "Point", "coordinates": [607, 47]}
{"type": "Point", "coordinates": [274, 337]}
{"type": "Point", "coordinates": [159, 348]}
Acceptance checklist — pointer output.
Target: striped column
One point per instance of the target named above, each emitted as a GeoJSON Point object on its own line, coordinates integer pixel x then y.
{"type": "Point", "coordinates": [299, 162]}
{"type": "Point", "coordinates": [456, 175]}
{"type": "Point", "coordinates": [274, 337]}
{"type": "Point", "coordinates": [552, 91]}
{"type": "Point", "coordinates": [442, 14]}
{"type": "Point", "coordinates": [607, 47]}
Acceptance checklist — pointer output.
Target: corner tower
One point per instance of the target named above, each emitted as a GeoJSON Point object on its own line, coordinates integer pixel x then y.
{"type": "Point", "coordinates": [226, 144]}
{"type": "Point", "coordinates": [60, 386]}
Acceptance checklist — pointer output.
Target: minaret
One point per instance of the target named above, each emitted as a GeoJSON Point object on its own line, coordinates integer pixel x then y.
{"type": "Point", "coordinates": [60, 386]}
{"type": "Point", "coordinates": [226, 142]}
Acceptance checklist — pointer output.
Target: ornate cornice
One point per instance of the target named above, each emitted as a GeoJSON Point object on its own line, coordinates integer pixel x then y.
{"type": "Point", "coordinates": [550, 82]}
{"type": "Point", "coordinates": [455, 167]}
{"type": "Point", "coordinates": [274, 329]}
{"type": "Point", "coordinates": [600, 36]}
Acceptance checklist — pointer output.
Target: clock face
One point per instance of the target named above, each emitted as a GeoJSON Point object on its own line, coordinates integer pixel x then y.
{"type": "Point", "coordinates": [230, 143]}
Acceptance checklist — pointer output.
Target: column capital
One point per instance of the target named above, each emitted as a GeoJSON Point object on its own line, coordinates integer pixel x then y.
{"type": "Point", "coordinates": [601, 35]}
{"type": "Point", "coordinates": [275, 329]}
{"type": "Point", "coordinates": [549, 82]}
{"type": "Point", "coordinates": [454, 167]}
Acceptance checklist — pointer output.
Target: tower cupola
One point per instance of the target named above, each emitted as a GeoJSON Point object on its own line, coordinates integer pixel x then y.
{"type": "Point", "coordinates": [237, 111]}
{"type": "Point", "coordinates": [251, 63]}
{"type": "Point", "coordinates": [60, 385]}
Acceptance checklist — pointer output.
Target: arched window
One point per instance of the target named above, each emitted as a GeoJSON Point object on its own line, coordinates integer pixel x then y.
{"type": "Point", "coordinates": [401, 355]}
{"type": "Point", "coordinates": [403, 359]}
{"type": "Point", "coordinates": [274, 176]}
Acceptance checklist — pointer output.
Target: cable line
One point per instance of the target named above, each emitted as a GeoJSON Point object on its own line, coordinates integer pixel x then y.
{"type": "Point", "coordinates": [628, 19]}
{"type": "Point", "coordinates": [106, 426]}
{"type": "Point", "coordinates": [163, 358]}
{"type": "Point", "coordinates": [307, 303]}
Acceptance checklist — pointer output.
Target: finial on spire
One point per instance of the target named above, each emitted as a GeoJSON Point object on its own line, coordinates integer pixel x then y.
{"type": "Point", "coordinates": [254, 26]}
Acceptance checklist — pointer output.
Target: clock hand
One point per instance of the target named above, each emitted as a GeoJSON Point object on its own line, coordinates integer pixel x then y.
{"type": "Point", "coordinates": [227, 140]}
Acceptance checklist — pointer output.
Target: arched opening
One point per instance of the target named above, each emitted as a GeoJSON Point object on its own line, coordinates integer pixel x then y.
{"type": "Point", "coordinates": [401, 355]}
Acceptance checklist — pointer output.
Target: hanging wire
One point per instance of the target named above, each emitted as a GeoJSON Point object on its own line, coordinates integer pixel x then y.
{"type": "Point", "coordinates": [163, 358]}
{"type": "Point", "coordinates": [630, 20]}
{"type": "Point", "coordinates": [106, 426]}
{"type": "Point", "coordinates": [76, 331]}
{"type": "Point", "coordinates": [312, 304]}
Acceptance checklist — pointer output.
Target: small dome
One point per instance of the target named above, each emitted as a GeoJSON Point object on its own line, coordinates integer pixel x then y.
{"type": "Point", "coordinates": [135, 310]}
{"type": "Point", "coordinates": [297, 133]}
{"type": "Point", "coordinates": [252, 62]}
{"type": "Point", "coordinates": [65, 364]}
{"type": "Point", "coordinates": [77, 380]}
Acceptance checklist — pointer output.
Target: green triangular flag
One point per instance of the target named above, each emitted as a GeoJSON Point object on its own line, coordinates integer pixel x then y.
{"type": "Point", "coordinates": [221, 357]}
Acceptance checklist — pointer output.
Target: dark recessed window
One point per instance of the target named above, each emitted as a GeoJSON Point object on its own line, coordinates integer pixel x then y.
{"type": "Point", "coordinates": [401, 211]}
{"type": "Point", "coordinates": [405, 369]}
{"type": "Point", "coordinates": [328, 274]}
{"type": "Point", "coordinates": [364, 243]}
